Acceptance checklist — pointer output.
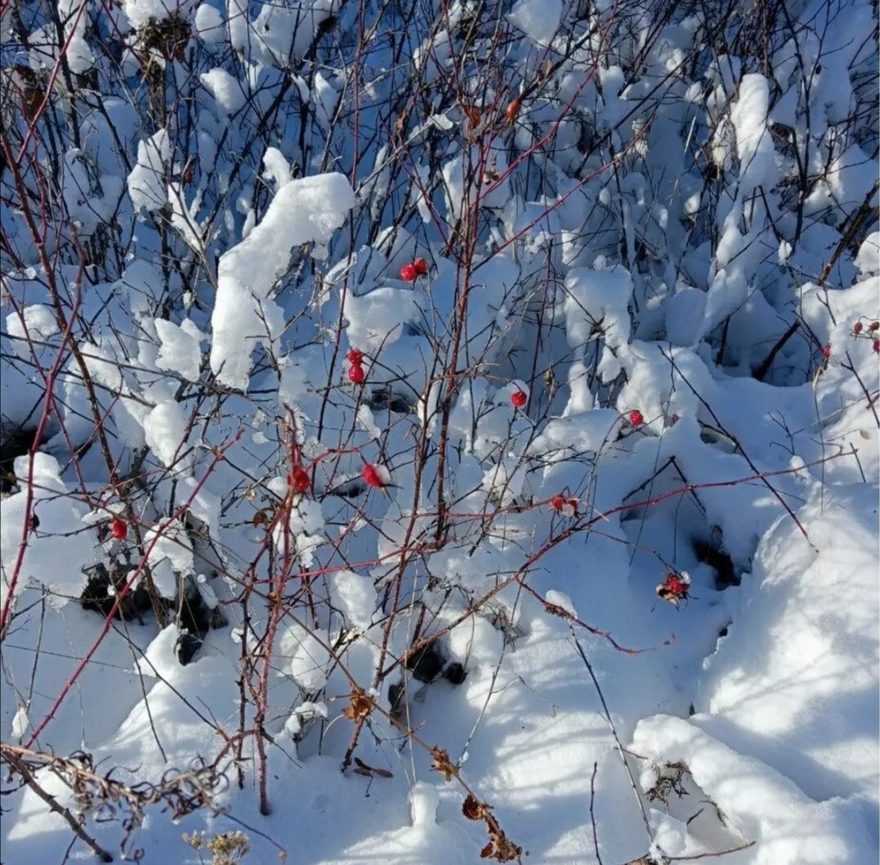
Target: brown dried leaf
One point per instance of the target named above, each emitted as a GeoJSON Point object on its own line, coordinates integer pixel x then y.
{"type": "Point", "coordinates": [441, 763]}
{"type": "Point", "coordinates": [500, 848]}
{"type": "Point", "coordinates": [361, 768]}
{"type": "Point", "coordinates": [359, 707]}
{"type": "Point", "coordinates": [473, 808]}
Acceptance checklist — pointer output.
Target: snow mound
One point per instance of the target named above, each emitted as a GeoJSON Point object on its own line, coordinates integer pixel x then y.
{"type": "Point", "coordinates": [761, 805]}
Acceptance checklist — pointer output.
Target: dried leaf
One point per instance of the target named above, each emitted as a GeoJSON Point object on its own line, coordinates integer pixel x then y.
{"type": "Point", "coordinates": [359, 707]}
{"type": "Point", "coordinates": [361, 768]}
{"type": "Point", "coordinates": [472, 808]}
{"type": "Point", "coordinates": [500, 848]}
{"type": "Point", "coordinates": [441, 763]}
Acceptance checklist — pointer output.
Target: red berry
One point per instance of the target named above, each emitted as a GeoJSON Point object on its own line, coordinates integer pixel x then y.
{"type": "Point", "coordinates": [355, 356]}
{"type": "Point", "coordinates": [874, 325]}
{"type": "Point", "coordinates": [512, 111]}
{"type": "Point", "coordinates": [409, 273]}
{"type": "Point", "coordinates": [857, 327]}
{"type": "Point", "coordinates": [519, 398]}
{"type": "Point", "coordinates": [636, 418]}
{"type": "Point", "coordinates": [674, 588]}
{"type": "Point", "coordinates": [564, 506]}
{"type": "Point", "coordinates": [876, 345]}
{"type": "Point", "coordinates": [675, 585]}
{"type": "Point", "coordinates": [356, 374]}
{"type": "Point", "coordinates": [300, 480]}
{"type": "Point", "coordinates": [421, 266]}
{"type": "Point", "coordinates": [372, 476]}
{"type": "Point", "coordinates": [826, 350]}
{"type": "Point", "coordinates": [119, 529]}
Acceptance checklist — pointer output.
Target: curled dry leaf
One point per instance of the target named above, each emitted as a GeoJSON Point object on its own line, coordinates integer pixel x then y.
{"type": "Point", "coordinates": [500, 848]}
{"type": "Point", "coordinates": [474, 809]}
{"type": "Point", "coordinates": [359, 707]}
{"type": "Point", "coordinates": [442, 763]}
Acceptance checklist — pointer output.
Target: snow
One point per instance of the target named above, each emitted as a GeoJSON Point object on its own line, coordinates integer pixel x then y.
{"type": "Point", "coordinates": [140, 12]}
{"type": "Point", "coordinates": [355, 596]}
{"type": "Point", "coordinates": [598, 299]}
{"type": "Point", "coordinates": [208, 23]}
{"type": "Point", "coordinates": [36, 322]}
{"type": "Point", "coordinates": [538, 19]}
{"type": "Point", "coordinates": [279, 32]}
{"type": "Point", "coordinates": [868, 259]}
{"type": "Point", "coordinates": [303, 211]}
{"type": "Point", "coordinates": [180, 351]}
{"type": "Point", "coordinates": [758, 803]}
{"type": "Point", "coordinates": [304, 656]}
{"type": "Point", "coordinates": [225, 89]}
{"type": "Point", "coordinates": [165, 431]}
{"type": "Point", "coordinates": [753, 145]}
{"type": "Point", "coordinates": [376, 319]}
{"type": "Point", "coordinates": [170, 556]}
{"type": "Point", "coordinates": [146, 184]}
{"type": "Point", "coordinates": [220, 549]}
{"type": "Point", "coordinates": [57, 548]}
{"type": "Point", "coordinates": [806, 676]}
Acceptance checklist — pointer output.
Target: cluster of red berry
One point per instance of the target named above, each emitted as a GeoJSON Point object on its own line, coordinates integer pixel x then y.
{"type": "Point", "coordinates": [869, 332]}
{"type": "Point", "coordinates": [412, 271]}
{"type": "Point", "coordinates": [356, 374]}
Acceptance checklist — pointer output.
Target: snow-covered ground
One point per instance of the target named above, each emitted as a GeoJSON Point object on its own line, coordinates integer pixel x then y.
{"type": "Point", "coordinates": [444, 434]}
